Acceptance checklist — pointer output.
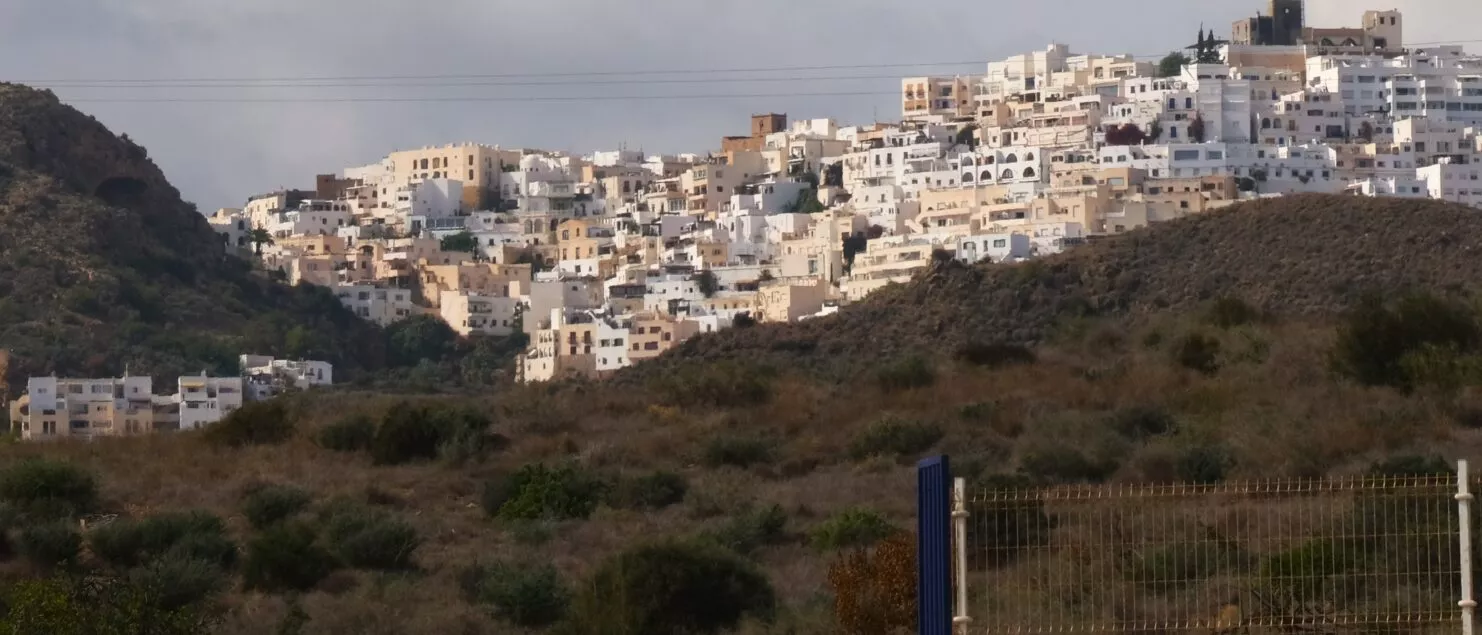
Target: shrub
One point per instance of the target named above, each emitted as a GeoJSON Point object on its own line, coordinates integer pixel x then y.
{"type": "Point", "coordinates": [1063, 461]}
{"type": "Point", "coordinates": [130, 543]}
{"type": "Point", "coordinates": [175, 582]}
{"type": "Point", "coordinates": [45, 489]}
{"type": "Point", "coordinates": [532, 596]}
{"type": "Point", "coordinates": [737, 451]}
{"type": "Point", "coordinates": [875, 591]}
{"type": "Point", "coordinates": [365, 538]}
{"type": "Point", "coordinates": [1230, 312]}
{"type": "Point", "coordinates": [673, 587]}
{"type": "Point", "coordinates": [270, 504]}
{"type": "Point", "coordinates": [751, 529]}
{"type": "Point", "coordinates": [851, 528]}
{"type": "Point", "coordinates": [654, 491]}
{"type": "Point", "coordinates": [54, 544]}
{"type": "Point", "coordinates": [1374, 338]}
{"type": "Point", "coordinates": [1182, 564]}
{"type": "Point", "coordinates": [977, 411]}
{"type": "Point", "coordinates": [285, 558]}
{"type": "Point", "coordinates": [538, 492]}
{"type": "Point", "coordinates": [994, 355]}
{"type": "Point", "coordinates": [1410, 465]}
{"type": "Point", "coordinates": [723, 384]}
{"type": "Point", "coordinates": [94, 604]}
{"type": "Point", "coordinates": [1141, 422]}
{"type": "Point", "coordinates": [410, 433]}
{"type": "Point", "coordinates": [1197, 352]}
{"type": "Point", "coordinates": [350, 434]}
{"type": "Point", "coordinates": [906, 374]}
{"type": "Point", "coordinates": [1203, 464]}
{"type": "Point", "coordinates": [1010, 522]}
{"type": "Point", "coordinates": [255, 423]}
{"type": "Point", "coordinates": [895, 437]}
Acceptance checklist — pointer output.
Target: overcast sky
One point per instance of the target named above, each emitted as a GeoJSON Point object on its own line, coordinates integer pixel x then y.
{"type": "Point", "coordinates": [219, 153]}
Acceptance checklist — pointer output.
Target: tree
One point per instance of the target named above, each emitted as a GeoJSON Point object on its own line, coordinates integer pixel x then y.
{"type": "Point", "coordinates": [833, 175]}
{"type": "Point", "coordinates": [1125, 135]}
{"type": "Point", "coordinates": [965, 136]}
{"type": "Point", "coordinates": [260, 237]}
{"type": "Point", "coordinates": [1156, 132]}
{"type": "Point", "coordinates": [419, 337]}
{"type": "Point", "coordinates": [462, 241]}
{"type": "Point", "coordinates": [1173, 64]}
{"type": "Point", "coordinates": [875, 591]}
{"type": "Point", "coordinates": [1366, 131]}
{"type": "Point", "coordinates": [853, 246]}
{"type": "Point", "coordinates": [707, 282]}
{"type": "Point", "coordinates": [1196, 128]}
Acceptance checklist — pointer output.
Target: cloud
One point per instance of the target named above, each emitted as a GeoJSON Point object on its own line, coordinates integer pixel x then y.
{"type": "Point", "coordinates": [219, 153]}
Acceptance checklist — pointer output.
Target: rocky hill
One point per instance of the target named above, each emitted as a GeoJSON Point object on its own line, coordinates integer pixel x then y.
{"type": "Point", "coordinates": [1297, 255]}
{"type": "Point", "coordinates": [103, 266]}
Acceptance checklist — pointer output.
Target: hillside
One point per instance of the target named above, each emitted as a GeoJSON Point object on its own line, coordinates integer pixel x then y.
{"type": "Point", "coordinates": [1298, 255]}
{"type": "Point", "coordinates": [103, 266]}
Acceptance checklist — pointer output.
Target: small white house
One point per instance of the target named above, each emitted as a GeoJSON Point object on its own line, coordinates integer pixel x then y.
{"type": "Point", "coordinates": [994, 247]}
{"type": "Point", "coordinates": [205, 400]}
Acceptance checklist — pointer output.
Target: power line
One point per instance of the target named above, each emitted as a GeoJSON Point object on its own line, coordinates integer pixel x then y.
{"type": "Point", "coordinates": [584, 98]}
{"type": "Point", "coordinates": [688, 71]}
{"type": "Point", "coordinates": [475, 84]}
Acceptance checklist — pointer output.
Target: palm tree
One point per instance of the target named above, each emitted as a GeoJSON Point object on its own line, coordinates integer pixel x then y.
{"type": "Point", "coordinates": [259, 237]}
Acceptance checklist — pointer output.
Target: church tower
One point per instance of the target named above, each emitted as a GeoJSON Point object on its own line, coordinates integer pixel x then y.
{"type": "Point", "coordinates": [1288, 19]}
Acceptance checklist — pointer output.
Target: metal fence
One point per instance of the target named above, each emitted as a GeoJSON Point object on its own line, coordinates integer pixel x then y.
{"type": "Point", "coordinates": [1360, 555]}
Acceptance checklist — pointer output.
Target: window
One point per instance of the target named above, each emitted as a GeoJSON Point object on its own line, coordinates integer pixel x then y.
{"type": "Point", "coordinates": [1000, 243]}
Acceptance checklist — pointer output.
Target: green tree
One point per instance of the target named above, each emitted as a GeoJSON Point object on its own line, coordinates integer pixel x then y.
{"type": "Point", "coordinates": [707, 282]}
{"type": "Point", "coordinates": [417, 338]}
{"type": "Point", "coordinates": [462, 241]}
{"type": "Point", "coordinates": [1196, 128]}
{"type": "Point", "coordinates": [260, 237]}
{"type": "Point", "coordinates": [1173, 64]}
{"type": "Point", "coordinates": [97, 606]}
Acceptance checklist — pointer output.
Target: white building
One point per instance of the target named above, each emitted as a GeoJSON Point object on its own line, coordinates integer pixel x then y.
{"type": "Point", "coordinates": [377, 304]}
{"type": "Point", "coordinates": [266, 376]}
{"type": "Point", "coordinates": [205, 400]}
{"type": "Point", "coordinates": [993, 247]}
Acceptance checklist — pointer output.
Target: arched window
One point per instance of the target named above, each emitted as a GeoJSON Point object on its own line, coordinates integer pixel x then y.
{"type": "Point", "coordinates": [1265, 123]}
{"type": "Point", "coordinates": [1028, 172]}
{"type": "Point", "coordinates": [986, 175]}
{"type": "Point", "coordinates": [1008, 174]}
{"type": "Point", "coordinates": [1012, 158]}
{"type": "Point", "coordinates": [1029, 157]}
{"type": "Point", "coordinates": [967, 161]}
{"type": "Point", "coordinates": [967, 177]}
{"type": "Point", "coordinates": [627, 187]}
{"type": "Point", "coordinates": [988, 160]}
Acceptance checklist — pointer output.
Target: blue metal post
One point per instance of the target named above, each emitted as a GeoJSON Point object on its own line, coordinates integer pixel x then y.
{"type": "Point", "coordinates": [934, 546]}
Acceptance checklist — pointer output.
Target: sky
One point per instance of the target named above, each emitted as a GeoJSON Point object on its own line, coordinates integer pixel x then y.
{"type": "Point", "coordinates": [220, 151]}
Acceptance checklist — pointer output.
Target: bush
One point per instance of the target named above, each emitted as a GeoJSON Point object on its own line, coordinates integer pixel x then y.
{"type": "Point", "coordinates": [255, 423]}
{"type": "Point", "coordinates": [723, 384]}
{"type": "Point", "coordinates": [285, 558]}
{"type": "Point", "coordinates": [410, 433]}
{"type": "Point", "coordinates": [532, 596]}
{"type": "Point", "coordinates": [851, 528]}
{"type": "Point", "coordinates": [54, 544]}
{"type": "Point", "coordinates": [176, 582]}
{"type": "Point", "coordinates": [752, 529]}
{"type": "Point", "coordinates": [1011, 522]}
{"type": "Point", "coordinates": [1229, 312]}
{"type": "Point", "coordinates": [45, 489]}
{"type": "Point", "coordinates": [1197, 352]}
{"type": "Point", "coordinates": [1063, 461]}
{"type": "Point", "coordinates": [654, 491]}
{"type": "Point", "coordinates": [270, 504]}
{"type": "Point", "coordinates": [894, 437]}
{"type": "Point", "coordinates": [365, 538]}
{"type": "Point", "coordinates": [737, 451]}
{"type": "Point", "coordinates": [1410, 465]}
{"type": "Point", "coordinates": [1374, 339]}
{"type": "Point", "coordinates": [906, 374]}
{"type": "Point", "coordinates": [673, 587]}
{"type": "Point", "coordinates": [350, 434]}
{"type": "Point", "coordinates": [875, 591]}
{"type": "Point", "coordinates": [93, 604]}
{"type": "Point", "coordinates": [130, 543]}
{"type": "Point", "coordinates": [1141, 422]}
{"type": "Point", "coordinates": [1203, 464]}
{"type": "Point", "coordinates": [994, 355]}
{"type": "Point", "coordinates": [537, 492]}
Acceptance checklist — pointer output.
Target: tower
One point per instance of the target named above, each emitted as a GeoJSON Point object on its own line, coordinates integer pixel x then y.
{"type": "Point", "coordinates": [1288, 20]}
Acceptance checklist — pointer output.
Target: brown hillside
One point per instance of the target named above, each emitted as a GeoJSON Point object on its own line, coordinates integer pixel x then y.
{"type": "Point", "coordinates": [1299, 255]}
{"type": "Point", "coordinates": [102, 265]}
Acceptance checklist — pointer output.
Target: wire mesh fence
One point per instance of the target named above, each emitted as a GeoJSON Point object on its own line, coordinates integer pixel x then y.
{"type": "Point", "coordinates": [1361, 555]}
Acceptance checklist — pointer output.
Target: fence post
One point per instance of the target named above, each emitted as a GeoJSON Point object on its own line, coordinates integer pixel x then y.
{"type": "Point", "coordinates": [961, 621]}
{"type": "Point", "coordinates": [934, 546]}
{"type": "Point", "coordinates": [1464, 517]}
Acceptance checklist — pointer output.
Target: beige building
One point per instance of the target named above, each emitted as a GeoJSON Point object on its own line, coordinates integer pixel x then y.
{"type": "Point", "coordinates": [480, 278]}
{"type": "Point", "coordinates": [950, 97]}
{"type": "Point", "coordinates": [709, 186]}
{"type": "Point", "coordinates": [652, 333]}
{"type": "Point", "coordinates": [787, 302]}
{"type": "Point", "coordinates": [478, 166]}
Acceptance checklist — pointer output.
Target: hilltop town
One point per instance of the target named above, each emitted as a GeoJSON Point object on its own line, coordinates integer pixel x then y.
{"type": "Point", "coordinates": [601, 261]}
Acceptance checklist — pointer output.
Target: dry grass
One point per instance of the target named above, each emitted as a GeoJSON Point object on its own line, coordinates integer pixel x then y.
{"type": "Point", "coordinates": [1273, 405]}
